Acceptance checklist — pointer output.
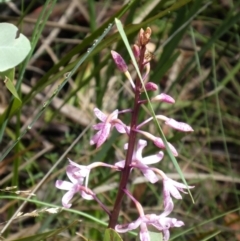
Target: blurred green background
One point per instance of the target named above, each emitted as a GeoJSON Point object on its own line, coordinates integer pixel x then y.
{"type": "Point", "coordinates": [196, 48]}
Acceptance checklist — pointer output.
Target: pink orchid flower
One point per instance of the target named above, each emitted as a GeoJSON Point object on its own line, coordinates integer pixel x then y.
{"type": "Point", "coordinates": [160, 222]}
{"type": "Point", "coordinates": [75, 186]}
{"type": "Point", "coordinates": [172, 188]}
{"type": "Point", "coordinates": [141, 162]}
{"type": "Point", "coordinates": [104, 128]}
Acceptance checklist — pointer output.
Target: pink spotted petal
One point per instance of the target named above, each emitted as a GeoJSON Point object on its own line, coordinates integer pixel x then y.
{"type": "Point", "coordinates": [67, 197]}
{"type": "Point", "coordinates": [98, 126]}
{"type": "Point", "coordinates": [114, 115]}
{"type": "Point", "coordinates": [99, 114]}
{"type": "Point", "coordinates": [73, 175]}
{"type": "Point", "coordinates": [104, 133]}
{"type": "Point", "coordinates": [95, 138]}
{"type": "Point", "coordinates": [63, 185]}
{"type": "Point", "coordinates": [149, 174]}
{"type": "Point", "coordinates": [82, 170]}
{"type": "Point", "coordinates": [123, 228]}
{"type": "Point", "coordinates": [153, 158]}
{"type": "Point", "coordinates": [120, 128]}
{"type": "Point", "coordinates": [180, 126]}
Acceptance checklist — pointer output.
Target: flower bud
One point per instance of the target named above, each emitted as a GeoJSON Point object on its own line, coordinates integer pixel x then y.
{"type": "Point", "coordinates": [119, 61]}
{"type": "Point", "coordinates": [144, 36]}
{"type": "Point", "coordinates": [136, 51]}
{"type": "Point", "coordinates": [150, 86]}
{"type": "Point", "coordinates": [163, 98]}
{"type": "Point", "coordinates": [180, 126]}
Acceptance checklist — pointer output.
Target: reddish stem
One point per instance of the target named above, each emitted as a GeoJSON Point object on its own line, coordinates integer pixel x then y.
{"type": "Point", "coordinates": [131, 144]}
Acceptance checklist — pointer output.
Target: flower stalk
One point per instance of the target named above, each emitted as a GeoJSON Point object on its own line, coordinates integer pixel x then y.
{"type": "Point", "coordinates": [79, 174]}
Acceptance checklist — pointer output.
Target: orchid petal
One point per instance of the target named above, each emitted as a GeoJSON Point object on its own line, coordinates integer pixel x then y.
{"type": "Point", "coordinates": [73, 175]}
{"type": "Point", "coordinates": [144, 234]}
{"type": "Point", "coordinates": [114, 115]}
{"type": "Point", "coordinates": [82, 170]}
{"type": "Point", "coordinates": [168, 207]}
{"type": "Point", "coordinates": [67, 197]}
{"type": "Point", "coordinates": [166, 235]}
{"type": "Point", "coordinates": [120, 128]}
{"type": "Point", "coordinates": [153, 158]}
{"type": "Point", "coordinates": [122, 228]}
{"type": "Point", "coordinates": [180, 185]}
{"type": "Point", "coordinates": [99, 114]}
{"type": "Point", "coordinates": [95, 138]}
{"type": "Point", "coordinates": [149, 174]}
{"type": "Point", "coordinates": [86, 196]}
{"type": "Point", "coordinates": [120, 164]}
{"type": "Point", "coordinates": [98, 126]}
{"type": "Point", "coordinates": [103, 134]}
{"type": "Point", "coordinates": [63, 185]}
{"type": "Point", "coordinates": [140, 146]}
{"type": "Point", "coordinates": [171, 189]}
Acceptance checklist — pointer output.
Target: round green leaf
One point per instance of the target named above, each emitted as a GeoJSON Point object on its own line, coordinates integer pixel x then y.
{"type": "Point", "coordinates": [13, 47]}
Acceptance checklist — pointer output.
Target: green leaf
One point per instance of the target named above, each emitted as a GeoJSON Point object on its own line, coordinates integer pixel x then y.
{"type": "Point", "coordinates": [111, 235]}
{"type": "Point", "coordinates": [154, 236]}
{"type": "Point", "coordinates": [10, 111]}
{"type": "Point", "coordinates": [13, 48]}
{"type": "Point", "coordinates": [8, 77]}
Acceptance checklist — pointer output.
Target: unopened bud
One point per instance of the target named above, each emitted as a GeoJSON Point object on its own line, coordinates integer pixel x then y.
{"type": "Point", "coordinates": [180, 126]}
{"type": "Point", "coordinates": [144, 36]}
{"type": "Point", "coordinates": [150, 86]}
{"type": "Point", "coordinates": [163, 98]}
{"type": "Point", "coordinates": [119, 61]}
{"type": "Point", "coordinates": [136, 51]}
